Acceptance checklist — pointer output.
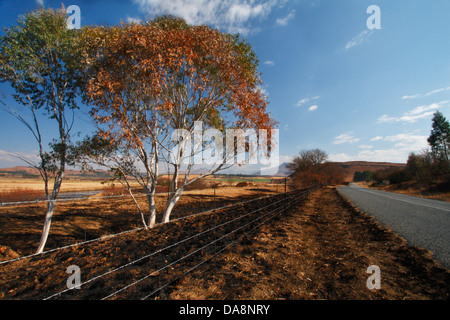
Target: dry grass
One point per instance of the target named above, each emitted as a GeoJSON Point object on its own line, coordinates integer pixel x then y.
{"type": "Point", "coordinates": [20, 194]}
{"type": "Point", "coordinates": [319, 251]}
{"type": "Point", "coordinates": [411, 189]}
{"type": "Point", "coordinates": [69, 185]}
{"type": "Point", "coordinates": [79, 220]}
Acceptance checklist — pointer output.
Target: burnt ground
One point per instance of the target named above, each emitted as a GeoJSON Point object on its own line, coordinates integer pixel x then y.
{"type": "Point", "coordinates": [316, 247]}
{"type": "Point", "coordinates": [320, 250]}
{"type": "Point", "coordinates": [86, 219]}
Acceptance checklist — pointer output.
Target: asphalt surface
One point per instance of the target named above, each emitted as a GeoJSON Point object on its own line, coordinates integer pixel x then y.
{"type": "Point", "coordinates": [422, 222]}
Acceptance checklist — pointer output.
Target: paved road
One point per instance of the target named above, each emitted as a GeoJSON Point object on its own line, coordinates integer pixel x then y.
{"type": "Point", "coordinates": [422, 222]}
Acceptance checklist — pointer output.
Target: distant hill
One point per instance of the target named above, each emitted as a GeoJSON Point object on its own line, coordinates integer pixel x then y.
{"type": "Point", "coordinates": [283, 171]}
{"type": "Point", "coordinates": [24, 172]}
{"type": "Point", "coordinates": [349, 167]}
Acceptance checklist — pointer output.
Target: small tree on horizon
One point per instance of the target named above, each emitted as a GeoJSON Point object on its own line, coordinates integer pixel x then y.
{"type": "Point", "coordinates": [310, 167]}
{"type": "Point", "coordinates": [439, 139]}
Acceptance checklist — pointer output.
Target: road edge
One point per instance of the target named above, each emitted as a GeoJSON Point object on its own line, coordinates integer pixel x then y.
{"type": "Point", "coordinates": [370, 218]}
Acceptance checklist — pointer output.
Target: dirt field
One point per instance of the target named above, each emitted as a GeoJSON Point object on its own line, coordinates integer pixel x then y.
{"type": "Point", "coordinates": [319, 251]}
{"type": "Point", "coordinates": [319, 248]}
{"type": "Point", "coordinates": [81, 220]}
{"type": "Point", "coordinates": [69, 185]}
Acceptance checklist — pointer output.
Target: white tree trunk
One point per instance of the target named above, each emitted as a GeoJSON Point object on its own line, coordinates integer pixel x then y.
{"type": "Point", "coordinates": [152, 209]}
{"type": "Point", "coordinates": [49, 214]}
{"type": "Point", "coordinates": [47, 223]}
{"type": "Point", "coordinates": [171, 202]}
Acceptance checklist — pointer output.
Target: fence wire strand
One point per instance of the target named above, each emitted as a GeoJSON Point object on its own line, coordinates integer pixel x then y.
{"type": "Point", "coordinates": [186, 256]}
{"type": "Point", "coordinates": [216, 254]}
{"type": "Point", "coordinates": [286, 199]}
{"type": "Point", "coordinates": [138, 229]}
{"type": "Point", "coordinates": [167, 247]}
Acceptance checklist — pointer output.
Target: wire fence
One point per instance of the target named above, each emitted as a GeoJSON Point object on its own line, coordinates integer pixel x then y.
{"type": "Point", "coordinates": [94, 210]}
{"type": "Point", "coordinates": [217, 253]}
{"type": "Point", "coordinates": [109, 236]}
{"type": "Point", "coordinates": [220, 236]}
{"type": "Point", "coordinates": [276, 207]}
{"type": "Point", "coordinates": [270, 217]}
{"type": "Point", "coordinates": [74, 199]}
{"type": "Point", "coordinates": [123, 193]}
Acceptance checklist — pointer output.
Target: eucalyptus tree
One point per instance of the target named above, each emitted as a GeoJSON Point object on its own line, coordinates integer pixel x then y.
{"type": "Point", "coordinates": [152, 84]}
{"type": "Point", "coordinates": [39, 60]}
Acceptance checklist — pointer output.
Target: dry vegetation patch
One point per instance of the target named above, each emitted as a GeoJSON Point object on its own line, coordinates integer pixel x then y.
{"type": "Point", "coordinates": [318, 249]}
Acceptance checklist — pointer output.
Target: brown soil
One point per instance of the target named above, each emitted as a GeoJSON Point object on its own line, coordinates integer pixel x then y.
{"type": "Point", "coordinates": [81, 220]}
{"type": "Point", "coordinates": [319, 248]}
{"type": "Point", "coordinates": [320, 251]}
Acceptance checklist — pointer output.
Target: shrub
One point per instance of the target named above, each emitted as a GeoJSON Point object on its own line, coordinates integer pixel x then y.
{"type": "Point", "coordinates": [113, 190]}
{"type": "Point", "coordinates": [243, 184]}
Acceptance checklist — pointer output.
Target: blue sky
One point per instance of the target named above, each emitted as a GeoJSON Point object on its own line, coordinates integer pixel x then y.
{"type": "Point", "coordinates": [332, 83]}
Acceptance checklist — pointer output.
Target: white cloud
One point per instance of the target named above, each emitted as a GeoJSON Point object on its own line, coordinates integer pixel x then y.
{"type": "Point", "coordinates": [377, 138]}
{"type": "Point", "coordinates": [422, 109]}
{"type": "Point", "coordinates": [263, 91]}
{"type": "Point", "coordinates": [398, 149]}
{"type": "Point", "coordinates": [386, 118]}
{"type": "Point", "coordinates": [313, 108]}
{"type": "Point", "coordinates": [421, 95]}
{"type": "Point", "coordinates": [408, 141]}
{"type": "Point", "coordinates": [305, 100]}
{"type": "Point", "coordinates": [269, 63]}
{"type": "Point", "coordinates": [134, 20]}
{"type": "Point", "coordinates": [381, 155]}
{"type": "Point", "coordinates": [284, 159]}
{"type": "Point", "coordinates": [284, 21]}
{"type": "Point", "coordinates": [415, 114]}
{"type": "Point", "coordinates": [302, 102]}
{"type": "Point", "coordinates": [412, 97]}
{"type": "Point", "coordinates": [345, 138]}
{"type": "Point", "coordinates": [8, 158]}
{"type": "Point", "coordinates": [365, 146]}
{"type": "Point", "coordinates": [360, 38]}
{"type": "Point", "coordinates": [404, 144]}
{"type": "Point", "coordinates": [340, 157]}
{"type": "Point", "coordinates": [436, 91]}
{"type": "Point", "coordinates": [230, 15]}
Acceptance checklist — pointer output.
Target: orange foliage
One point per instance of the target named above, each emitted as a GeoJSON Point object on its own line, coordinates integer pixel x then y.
{"type": "Point", "coordinates": [166, 69]}
{"type": "Point", "coordinates": [326, 174]}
